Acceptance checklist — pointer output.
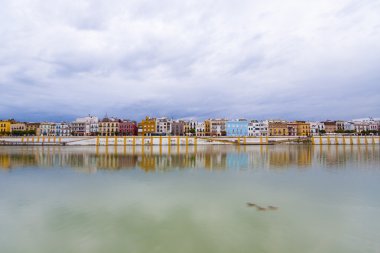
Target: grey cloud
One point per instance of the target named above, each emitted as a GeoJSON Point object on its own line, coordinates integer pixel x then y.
{"type": "Point", "coordinates": [255, 59]}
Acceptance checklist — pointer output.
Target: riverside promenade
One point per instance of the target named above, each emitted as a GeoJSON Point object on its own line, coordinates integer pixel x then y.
{"type": "Point", "coordinates": [185, 140]}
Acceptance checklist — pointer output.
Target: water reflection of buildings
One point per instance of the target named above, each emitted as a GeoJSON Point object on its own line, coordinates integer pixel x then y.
{"type": "Point", "coordinates": [210, 158]}
{"type": "Point", "coordinates": [290, 155]}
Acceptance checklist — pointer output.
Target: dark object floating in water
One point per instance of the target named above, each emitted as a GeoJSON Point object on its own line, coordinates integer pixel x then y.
{"type": "Point", "coordinates": [272, 207]}
{"type": "Point", "coordinates": [259, 208]}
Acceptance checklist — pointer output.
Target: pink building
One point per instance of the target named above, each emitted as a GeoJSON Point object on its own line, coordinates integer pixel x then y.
{"type": "Point", "coordinates": [127, 128]}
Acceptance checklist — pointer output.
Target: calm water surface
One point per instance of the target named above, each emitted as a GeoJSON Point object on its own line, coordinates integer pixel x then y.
{"type": "Point", "coordinates": [84, 199]}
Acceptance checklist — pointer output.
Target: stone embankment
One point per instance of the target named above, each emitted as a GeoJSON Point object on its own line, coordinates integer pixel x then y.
{"type": "Point", "coordinates": [184, 140]}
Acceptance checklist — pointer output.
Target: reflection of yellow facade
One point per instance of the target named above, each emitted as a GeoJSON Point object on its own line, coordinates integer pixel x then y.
{"type": "Point", "coordinates": [285, 158]}
{"type": "Point", "coordinates": [5, 127]}
{"type": "Point", "coordinates": [147, 126]}
{"type": "Point", "coordinates": [148, 163]}
{"type": "Point", "coordinates": [5, 161]}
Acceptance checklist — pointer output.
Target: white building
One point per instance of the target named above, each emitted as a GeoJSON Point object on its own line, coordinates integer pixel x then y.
{"type": "Point", "coordinates": [62, 129]}
{"type": "Point", "coordinates": [47, 129]}
{"type": "Point", "coordinates": [366, 124]}
{"type": "Point", "coordinates": [200, 129]}
{"type": "Point", "coordinates": [349, 126]}
{"type": "Point", "coordinates": [258, 128]}
{"type": "Point", "coordinates": [85, 126]}
{"type": "Point", "coordinates": [164, 126]}
{"type": "Point", "coordinates": [316, 128]}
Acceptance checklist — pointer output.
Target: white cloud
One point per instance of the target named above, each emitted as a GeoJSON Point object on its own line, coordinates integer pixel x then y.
{"type": "Point", "coordinates": [298, 59]}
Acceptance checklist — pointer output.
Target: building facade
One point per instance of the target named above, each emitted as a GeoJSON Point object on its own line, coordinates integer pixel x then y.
{"type": "Point", "coordinates": [62, 129]}
{"type": "Point", "coordinates": [279, 128]}
{"type": "Point", "coordinates": [5, 127]}
{"type": "Point", "coordinates": [85, 126]}
{"type": "Point", "coordinates": [163, 126]}
{"type": "Point", "coordinates": [316, 128]}
{"type": "Point", "coordinates": [237, 128]}
{"type": "Point", "coordinates": [33, 128]}
{"type": "Point", "coordinates": [18, 127]}
{"type": "Point", "coordinates": [330, 126]}
{"type": "Point", "coordinates": [47, 129]}
{"type": "Point", "coordinates": [128, 128]}
{"type": "Point", "coordinates": [109, 127]}
{"type": "Point", "coordinates": [200, 129]}
{"type": "Point", "coordinates": [190, 127]}
{"type": "Point", "coordinates": [215, 127]}
{"type": "Point", "coordinates": [258, 128]}
{"type": "Point", "coordinates": [299, 128]}
{"type": "Point", "coordinates": [178, 128]}
{"type": "Point", "coordinates": [147, 127]}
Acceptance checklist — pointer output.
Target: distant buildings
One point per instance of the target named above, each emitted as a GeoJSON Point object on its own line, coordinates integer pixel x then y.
{"type": "Point", "coordinates": [330, 126]}
{"type": "Point", "coordinates": [200, 129]}
{"type": "Point", "coordinates": [278, 128]}
{"type": "Point", "coordinates": [190, 127]}
{"type": "Point", "coordinates": [215, 127]}
{"type": "Point", "coordinates": [258, 128]}
{"type": "Point", "coordinates": [127, 128]}
{"type": "Point", "coordinates": [163, 127]}
{"type": "Point", "coordinates": [18, 127]}
{"type": "Point", "coordinates": [299, 128]}
{"type": "Point", "coordinates": [47, 129]}
{"type": "Point", "coordinates": [178, 128]}
{"type": "Point", "coordinates": [366, 124]}
{"type": "Point", "coordinates": [5, 127]}
{"type": "Point", "coordinates": [316, 128]}
{"type": "Point", "coordinates": [147, 127]}
{"type": "Point", "coordinates": [33, 128]}
{"type": "Point", "coordinates": [109, 126]}
{"type": "Point", "coordinates": [85, 126]}
{"type": "Point", "coordinates": [237, 127]}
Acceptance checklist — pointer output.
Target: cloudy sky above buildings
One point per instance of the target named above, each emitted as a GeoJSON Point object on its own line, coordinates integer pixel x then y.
{"type": "Point", "coordinates": [189, 59]}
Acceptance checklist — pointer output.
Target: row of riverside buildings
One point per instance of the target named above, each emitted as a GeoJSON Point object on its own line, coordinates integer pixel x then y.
{"type": "Point", "coordinates": [149, 126]}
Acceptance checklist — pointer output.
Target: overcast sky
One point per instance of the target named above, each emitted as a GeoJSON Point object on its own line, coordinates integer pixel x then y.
{"type": "Point", "coordinates": [189, 59]}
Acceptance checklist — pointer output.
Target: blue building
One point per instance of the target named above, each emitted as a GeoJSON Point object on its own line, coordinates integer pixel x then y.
{"type": "Point", "coordinates": [237, 127]}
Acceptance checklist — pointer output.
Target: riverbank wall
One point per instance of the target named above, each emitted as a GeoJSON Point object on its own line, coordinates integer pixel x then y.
{"type": "Point", "coordinates": [185, 140]}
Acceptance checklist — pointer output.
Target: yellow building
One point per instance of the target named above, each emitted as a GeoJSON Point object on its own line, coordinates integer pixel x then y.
{"type": "Point", "coordinates": [32, 127]}
{"type": "Point", "coordinates": [5, 127]}
{"type": "Point", "coordinates": [109, 127]}
{"type": "Point", "coordinates": [215, 127]}
{"type": "Point", "coordinates": [147, 126]}
{"type": "Point", "coordinates": [278, 129]}
{"type": "Point", "coordinates": [207, 131]}
{"type": "Point", "coordinates": [301, 128]}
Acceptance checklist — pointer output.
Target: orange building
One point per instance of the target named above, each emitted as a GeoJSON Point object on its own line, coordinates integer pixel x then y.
{"type": "Point", "coordinates": [278, 129]}
{"type": "Point", "coordinates": [147, 127]}
{"type": "Point", "coordinates": [299, 128]}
